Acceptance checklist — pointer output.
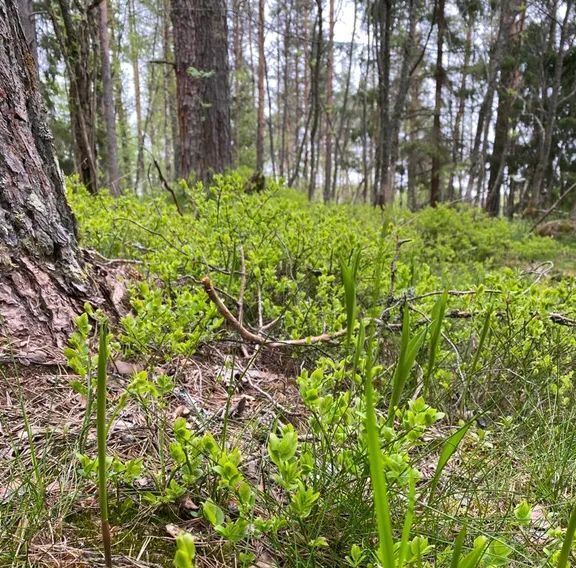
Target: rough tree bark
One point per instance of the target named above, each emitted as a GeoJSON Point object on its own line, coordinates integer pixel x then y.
{"type": "Point", "coordinates": [203, 92]}
{"type": "Point", "coordinates": [43, 281]}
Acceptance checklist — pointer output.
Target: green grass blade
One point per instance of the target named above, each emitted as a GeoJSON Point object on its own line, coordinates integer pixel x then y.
{"type": "Point", "coordinates": [473, 558]}
{"type": "Point", "coordinates": [563, 559]}
{"type": "Point", "coordinates": [379, 486]}
{"type": "Point", "coordinates": [458, 545]}
{"type": "Point", "coordinates": [408, 519]}
{"type": "Point", "coordinates": [361, 339]}
{"type": "Point", "coordinates": [409, 349]}
{"type": "Point", "coordinates": [483, 336]}
{"type": "Point", "coordinates": [101, 430]}
{"type": "Point", "coordinates": [450, 446]}
{"type": "Point", "coordinates": [435, 330]}
{"type": "Point", "coordinates": [349, 274]}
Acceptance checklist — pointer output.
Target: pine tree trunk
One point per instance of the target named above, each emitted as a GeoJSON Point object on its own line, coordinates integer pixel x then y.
{"type": "Point", "coordinates": [329, 106]}
{"type": "Point", "coordinates": [42, 278]}
{"type": "Point", "coordinates": [407, 70]}
{"type": "Point", "coordinates": [203, 92]}
{"type": "Point", "coordinates": [261, 125]}
{"type": "Point", "coordinates": [383, 30]}
{"type": "Point", "coordinates": [458, 143]}
{"type": "Point", "coordinates": [73, 32]}
{"type": "Point", "coordinates": [509, 82]}
{"type": "Point", "coordinates": [316, 62]}
{"type": "Point", "coordinates": [435, 191]}
{"type": "Point", "coordinates": [134, 60]}
{"type": "Point", "coordinates": [113, 173]}
{"type": "Point", "coordinates": [546, 143]}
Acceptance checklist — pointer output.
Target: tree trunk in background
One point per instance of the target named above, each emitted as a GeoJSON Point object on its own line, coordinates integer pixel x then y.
{"type": "Point", "coordinates": [170, 94]}
{"type": "Point", "coordinates": [203, 92]}
{"type": "Point", "coordinates": [458, 142]}
{"type": "Point", "coordinates": [113, 173]}
{"type": "Point", "coordinates": [407, 70]}
{"type": "Point", "coordinates": [509, 83]}
{"type": "Point", "coordinates": [329, 105]}
{"type": "Point", "coordinates": [261, 126]}
{"type": "Point", "coordinates": [381, 192]}
{"type": "Point", "coordinates": [477, 158]}
{"type": "Point", "coordinates": [134, 60]}
{"type": "Point", "coordinates": [341, 140]}
{"type": "Point", "coordinates": [122, 120]}
{"type": "Point", "coordinates": [284, 150]}
{"type": "Point", "coordinates": [550, 122]}
{"type": "Point", "coordinates": [237, 36]}
{"type": "Point", "coordinates": [73, 33]}
{"type": "Point", "coordinates": [315, 63]}
{"type": "Point", "coordinates": [435, 190]}
{"type": "Point", "coordinates": [42, 278]}
{"type": "Point", "coordinates": [170, 116]}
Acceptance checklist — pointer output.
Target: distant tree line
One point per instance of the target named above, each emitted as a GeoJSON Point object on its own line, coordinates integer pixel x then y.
{"type": "Point", "coordinates": [376, 101]}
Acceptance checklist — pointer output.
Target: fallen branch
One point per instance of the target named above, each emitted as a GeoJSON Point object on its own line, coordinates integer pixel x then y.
{"type": "Point", "coordinates": [256, 338]}
{"type": "Point", "coordinates": [327, 337]}
{"type": "Point", "coordinates": [562, 320]}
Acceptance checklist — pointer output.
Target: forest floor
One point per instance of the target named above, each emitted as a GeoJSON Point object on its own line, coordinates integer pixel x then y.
{"type": "Point", "coordinates": [260, 452]}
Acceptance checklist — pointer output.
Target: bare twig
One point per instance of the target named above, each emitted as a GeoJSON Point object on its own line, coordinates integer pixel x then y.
{"type": "Point", "coordinates": [399, 243]}
{"type": "Point", "coordinates": [452, 293]}
{"type": "Point", "coordinates": [562, 320]}
{"type": "Point", "coordinates": [102, 260]}
{"type": "Point", "coordinates": [259, 339]}
{"type": "Point", "coordinates": [548, 211]}
{"type": "Point", "coordinates": [268, 396]}
{"type": "Point", "coordinates": [260, 316]}
{"type": "Point", "coordinates": [167, 186]}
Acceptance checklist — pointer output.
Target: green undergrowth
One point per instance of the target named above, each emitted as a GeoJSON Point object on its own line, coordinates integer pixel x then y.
{"type": "Point", "coordinates": [434, 429]}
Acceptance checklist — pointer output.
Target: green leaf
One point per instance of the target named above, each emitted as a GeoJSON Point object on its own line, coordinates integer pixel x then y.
{"type": "Point", "coordinates": [186, 552]}
{"type": "Point", "coordinates": [458, 545]}
{"type": "Point", "coordinates": [349, 271]}
{"type": "Point", "coordinates": [523, 513]}
{"type": "Point", "coordinates": [435, 331]}
{"type": "Point", "coordinates": [283, 448]}
{"type": "Point", "coordinates": [199, 73]}
{"type": "Point", "coordinates": [212, 513]}
{"type": "Point", "coordinates": [408, 351]}
{"type": "Point", "coordinates": [379, 487]}
{"type": "Point", "coordinates": [450, 446]}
